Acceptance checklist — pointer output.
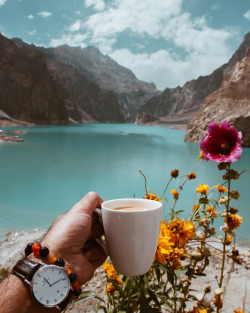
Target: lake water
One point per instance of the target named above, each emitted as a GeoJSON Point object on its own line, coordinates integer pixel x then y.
{"type": "Point", "coordinates": [55, 166]}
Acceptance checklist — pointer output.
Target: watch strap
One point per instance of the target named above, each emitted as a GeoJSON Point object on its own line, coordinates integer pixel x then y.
{"type": "Point", "coordinates": [25, 269]}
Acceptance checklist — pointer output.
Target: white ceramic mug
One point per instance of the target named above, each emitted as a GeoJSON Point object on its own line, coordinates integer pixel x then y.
{"type": "Point", "coordinates": [131, 236]}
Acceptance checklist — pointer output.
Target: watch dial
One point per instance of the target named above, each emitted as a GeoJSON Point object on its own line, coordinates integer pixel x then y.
{"type": "Point", "coordinates": [51, 285]}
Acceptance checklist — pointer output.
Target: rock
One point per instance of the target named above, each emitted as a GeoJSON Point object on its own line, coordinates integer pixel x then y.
{"type": "Point", "coordinates": [231, 101]}
{"type": "Point", "coordinates": [145, 118]}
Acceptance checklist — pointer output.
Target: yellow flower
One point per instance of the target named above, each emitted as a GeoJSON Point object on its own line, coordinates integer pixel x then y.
{"type": "Point", "coordinates": [211, 211]}
{"type": "Point", "coordinates": [109, 269]}
{"type": "Point", "coordinates": [151, 196]}
{"type": "Point", "coordinates": [234, 221]}
{"type": "Point", "coordinates": [182, 231]}
{"type": "Point", "coordinates": [110, 289]}
{"type": "Point", "coordinates": [202, 189]}
{"type": "Point", "coordinates": [201, 156]}
{"type": "Point", "coordinates": [218, 301]}
{"type": "Point", "coordinates": [172, 240]}
{"type": "Point", "coordinates": [175, 193]}
{"type": "Point", "coordinates": [238, 311]}
{"type": "Point", "coordinates": [196, 310]}
{"type": "Point", "coordinates": [228, 240]}
{"type": "Point", "coordinates": [220, 188]}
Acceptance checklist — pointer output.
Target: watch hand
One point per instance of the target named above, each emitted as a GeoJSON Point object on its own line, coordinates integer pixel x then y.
{"type": "Point", "coordinates": [47, 281]}
{"type": "Point", "coordinates": [56, 281]}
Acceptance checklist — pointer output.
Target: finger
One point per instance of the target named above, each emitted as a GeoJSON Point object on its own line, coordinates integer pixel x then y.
{"type": "Point", "coordinates": [94, 252]}
{"type": "Point", "coordinates": [96, 231]}
{"type": "Point", "coordinates": [88, 203]}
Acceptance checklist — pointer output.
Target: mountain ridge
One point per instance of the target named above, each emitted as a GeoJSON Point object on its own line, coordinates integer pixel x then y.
{"type": "Point", "coordinates": [104, 72]}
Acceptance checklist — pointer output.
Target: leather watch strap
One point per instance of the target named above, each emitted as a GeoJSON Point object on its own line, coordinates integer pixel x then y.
{"type": "Point", "coordinates": [25, 269]}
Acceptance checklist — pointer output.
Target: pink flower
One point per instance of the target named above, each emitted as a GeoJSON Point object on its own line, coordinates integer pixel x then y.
{"type": "Point", "coordinates": [222, 143]}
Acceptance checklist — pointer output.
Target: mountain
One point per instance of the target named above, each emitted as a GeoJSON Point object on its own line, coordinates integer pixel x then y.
{"type": "Point", "coordinates": [104, 72]}
{"type": "Point", "coordinates": [231, 101]}
{"type": "Point", "coordinates": [42, 91]}
{"type": "Point", "coordinates": [186, 100]}
{"type": "Point", "coordinates": [28, 91]}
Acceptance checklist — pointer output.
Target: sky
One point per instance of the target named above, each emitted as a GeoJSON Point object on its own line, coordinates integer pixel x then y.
{"type": "Point", "coordinates": [168, 42]}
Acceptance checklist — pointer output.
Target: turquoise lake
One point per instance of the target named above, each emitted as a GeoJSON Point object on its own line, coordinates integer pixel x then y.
{"type": "Point", "coordinates": [55, 166]}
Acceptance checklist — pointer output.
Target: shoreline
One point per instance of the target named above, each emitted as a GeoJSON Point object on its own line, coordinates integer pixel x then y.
{"type": "Point", "coordinates": [237, 278]}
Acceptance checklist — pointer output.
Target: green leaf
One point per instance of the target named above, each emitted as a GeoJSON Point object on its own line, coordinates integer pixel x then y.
{"type": "Point", "coordinates": [158, 274]}
{"type": "Point", "coordinates": [118, 288]}
{"type": "Point", "coordinates": [203, 201]}
{"type": "Point", "coordinates": [153, 297]}
{"type": "Point", "coordinates": [170, 278]}
{"type": "Point", "coordinates": [144, 305]}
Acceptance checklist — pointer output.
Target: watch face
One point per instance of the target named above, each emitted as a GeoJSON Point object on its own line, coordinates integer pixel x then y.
{"type": "Point", "coordinates": [50, 285]}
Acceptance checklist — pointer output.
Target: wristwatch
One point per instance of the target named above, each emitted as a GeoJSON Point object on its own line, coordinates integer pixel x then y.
{"type": "Point", "coordinates": [50, 284]}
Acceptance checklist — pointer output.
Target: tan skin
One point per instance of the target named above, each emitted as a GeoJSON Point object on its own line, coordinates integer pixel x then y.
{"type": "Point", "coordinates": [71, 238]}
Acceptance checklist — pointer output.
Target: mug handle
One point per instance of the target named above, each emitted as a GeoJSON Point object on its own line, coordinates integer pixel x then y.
{"type": "Point", "coordinates": [99, 240]}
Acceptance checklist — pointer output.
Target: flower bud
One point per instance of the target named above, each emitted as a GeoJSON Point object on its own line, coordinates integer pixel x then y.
{"type": "Point", "coordinates": [233, 174]}
{"type": "Point", "coordinates": [225, 214]}
{"type": "Point", "coordinates": [218, 291]}
{"type": "Point", "coordinates": [233, 210]}
{"type": "Point", "coordinates": [208, 289]}
{"type": "Point", "coordinates": [223, 166]}
{"type": "Point", "coordinates": [206, 252]}
{"type": "Point", "coordinates": [224, 227]}
{"type": "Point", "coordinates": [201, 235]}
{"type": "Point", "coordinates": [235, 194]}
{"type": "Point", "coordinates": [174, 173]}
{"type": "Point", "coordinates": [212, 231]}
{"type": "Point", "coordinates": [223, 200]}
{"type": "Point", "coordinates": [204, 222]}
{"type": "Point", "coordinates": [196, 255]}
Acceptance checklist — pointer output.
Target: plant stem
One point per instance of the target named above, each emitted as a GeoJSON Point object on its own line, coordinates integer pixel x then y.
{"type": "Point", "coordinates": [145, 179]}
{"type": "Point", "coordinates": [224, 243]}
{"type": "Point", "coordinates": [166, 187]}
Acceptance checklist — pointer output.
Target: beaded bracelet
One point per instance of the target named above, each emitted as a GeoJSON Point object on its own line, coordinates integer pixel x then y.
{"type": "Point", "coordinates": [43, 252]}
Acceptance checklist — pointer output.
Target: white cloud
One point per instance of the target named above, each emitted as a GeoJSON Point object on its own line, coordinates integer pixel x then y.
{"type": "Point", "coordinates": [166, 69]}
{"type": "Point", "coordinates": [31, 17]}
{"type": "Point", "coordinates": [140, 17]}
{"type": "Point", "coordinates": [98, 5]}
{"type": "Point", "coordinates": [247, 15]}
{"type": "Point", "coordinates": [71, 40]}
{"type": "Point", "coordinates": [75, 26]}
{"type": "Point", "coordinates": [44, 14]}
{"type": "Point", "coordinates": [203, 48]}
{"type": "Point", "coordinates": [2, 2]}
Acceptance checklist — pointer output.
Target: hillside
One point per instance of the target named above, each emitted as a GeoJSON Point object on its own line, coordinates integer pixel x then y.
{"type": "Point", "coordinates": [103, 71]}
{"type": "Point", "coordinates": [186, 100]}
{"type": "Point", "coordinates": [231, 101]}
{"type": "Point", "coordinates": [37, 90]}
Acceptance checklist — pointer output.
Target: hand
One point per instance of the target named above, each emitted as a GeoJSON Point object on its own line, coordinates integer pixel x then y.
{"type": "Point", "coordinates": [71, 237]}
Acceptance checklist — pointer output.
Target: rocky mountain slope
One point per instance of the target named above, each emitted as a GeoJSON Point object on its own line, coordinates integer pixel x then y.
{"type": "Point", "coordinates": [104, 72]}
{"type": "Point", "coordinates": [28, 91]}
{"type": "Point", "coordinates": [230, 101]}
{"type": "Point", "coordinates": [188, 99]}
{"type": "Point", "coordinates": [41, 91]}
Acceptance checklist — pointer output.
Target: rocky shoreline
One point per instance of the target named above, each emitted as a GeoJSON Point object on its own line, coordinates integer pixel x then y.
{"type": "Point", "coordinates": [237, 277]}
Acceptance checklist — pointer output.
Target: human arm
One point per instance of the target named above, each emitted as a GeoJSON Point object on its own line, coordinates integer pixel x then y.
{"type": "Point", "coordinates": [71, 238]}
